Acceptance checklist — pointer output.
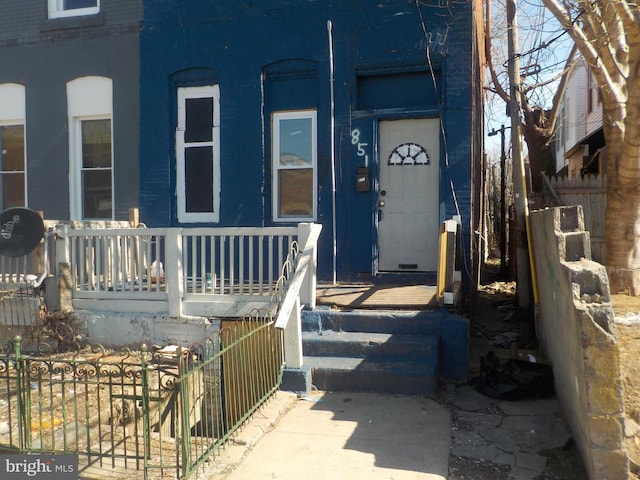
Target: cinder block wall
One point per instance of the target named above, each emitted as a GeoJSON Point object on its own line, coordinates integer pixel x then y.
{"type": "Point", "coordinates": [577, 334]}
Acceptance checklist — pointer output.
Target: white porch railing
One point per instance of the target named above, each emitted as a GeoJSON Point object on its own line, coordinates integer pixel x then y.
{"type": "Point", "coordinates": [223, 272]}
{"type": "Point", "coordinates": [300, 289]}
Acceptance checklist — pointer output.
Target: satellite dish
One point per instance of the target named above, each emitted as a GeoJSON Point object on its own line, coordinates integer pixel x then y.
{"type": "Point", "coordinates": [21, 230]}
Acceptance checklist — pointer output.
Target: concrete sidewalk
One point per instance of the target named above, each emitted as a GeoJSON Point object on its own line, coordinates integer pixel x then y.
{"type": "Point", "coordinates": [334, 436]}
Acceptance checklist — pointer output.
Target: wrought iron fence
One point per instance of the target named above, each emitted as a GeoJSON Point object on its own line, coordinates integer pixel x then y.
{"type": "Point", "coordinates": [139, 414]}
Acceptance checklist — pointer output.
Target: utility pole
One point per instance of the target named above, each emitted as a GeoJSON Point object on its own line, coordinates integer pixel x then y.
{"type": "Point", "coordinates": [503, 216]}
{"type": "Point", "coordinates": [522, 252]}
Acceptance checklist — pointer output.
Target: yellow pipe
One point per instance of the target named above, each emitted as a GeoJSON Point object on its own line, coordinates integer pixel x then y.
{"type": "Point", "coordinates": [532, 265]}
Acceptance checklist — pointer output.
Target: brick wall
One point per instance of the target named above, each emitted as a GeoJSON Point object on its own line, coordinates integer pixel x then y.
{"type": "Point", "coordinates": [25, 22]}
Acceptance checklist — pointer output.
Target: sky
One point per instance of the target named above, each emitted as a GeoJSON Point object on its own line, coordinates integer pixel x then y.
{"type": "Point", "coordinates": [543, 51]}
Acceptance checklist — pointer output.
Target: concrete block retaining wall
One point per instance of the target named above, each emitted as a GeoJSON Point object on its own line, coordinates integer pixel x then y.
{"type": "Point", "coordinates": [577, 334]}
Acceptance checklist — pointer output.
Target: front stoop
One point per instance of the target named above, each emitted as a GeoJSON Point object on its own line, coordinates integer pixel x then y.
{"type": "Point", "coordinates": [349, 374]}
{"type": "Point", "coordinates": [384, 351]}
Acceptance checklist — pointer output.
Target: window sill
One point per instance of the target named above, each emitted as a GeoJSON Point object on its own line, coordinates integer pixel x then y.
{"type": "Point", "coordinates": [68, 23]}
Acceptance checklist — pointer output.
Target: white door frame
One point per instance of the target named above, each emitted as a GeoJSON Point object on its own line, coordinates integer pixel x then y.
{"type": "Point", "coordinates": [408, 196]}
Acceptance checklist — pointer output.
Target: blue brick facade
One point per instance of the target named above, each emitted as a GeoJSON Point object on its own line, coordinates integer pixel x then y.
{"type": "Point", "coordinates": [392, 59]}
{"type": "Point", "coordinates": [243, 45]}
{"type": "Point", "coordinates": [255, 49]}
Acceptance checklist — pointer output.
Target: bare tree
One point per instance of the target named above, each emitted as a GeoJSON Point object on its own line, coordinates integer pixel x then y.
{"type": "Point", "coordinates": [538, 122]}
{"type": "Point", "coordinates": [607, 34]}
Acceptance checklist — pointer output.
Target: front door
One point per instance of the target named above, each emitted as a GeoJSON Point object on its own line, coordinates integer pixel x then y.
{"type": "Point", "coordinates": [408, 195]}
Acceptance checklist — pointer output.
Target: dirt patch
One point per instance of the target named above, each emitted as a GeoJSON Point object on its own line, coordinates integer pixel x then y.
{"type": "Point", "coordinates": [461, 468]}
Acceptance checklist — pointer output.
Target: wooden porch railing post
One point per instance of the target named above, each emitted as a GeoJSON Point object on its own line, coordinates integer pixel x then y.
{"type": "Point", "coordinates": [308, 289]}
{"type": "Point", "coordinates": [174, 270]}
{"type": "Point", "coordinates": [63, 244]}
{"type": "Point", "coordinates": [292, 338]}
{"type": "Point", "coordinates": [37, 256]}
{"type": "Point", "coordinates": [301, 289]}
{"type": "Point", "coordinates": [134, 217]}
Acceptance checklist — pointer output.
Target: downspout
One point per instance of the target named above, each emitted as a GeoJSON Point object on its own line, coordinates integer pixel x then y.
{"type": "Point", "coordinates": [265, 214]}
{"type": "Point", "coordinates": [333, 150]}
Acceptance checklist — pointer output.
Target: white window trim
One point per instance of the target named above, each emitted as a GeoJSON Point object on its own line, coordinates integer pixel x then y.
{"type": "Point", "coordinates": [21, 123]}
{"type": "Point", "coordinates": [76, 154]}
{"type": "Point", "coordinates": [88, 98]}
{"type": "Point", "coordinates": [56, 10]}
{"type": "Point", "coordinates": [184, 93]}
{"type": "Point", "coordinates": [13, 112]}
{"type": "Point", "coordinates": [275, 155]}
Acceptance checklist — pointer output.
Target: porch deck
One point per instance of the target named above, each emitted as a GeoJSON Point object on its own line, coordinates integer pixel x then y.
{"type": "Point", "coordinates": [369, 296]}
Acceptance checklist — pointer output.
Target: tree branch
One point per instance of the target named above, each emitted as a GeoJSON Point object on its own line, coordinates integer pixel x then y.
{"type": "Point", "coordinates": [586, 46]}
{"type": "Point", "coordinates": [614, 41]}
{"type": "Point", "coordinates": [487, 51]}
{"type": "Point", "coordinates": [629, 16]}
{"type": "Point", "coordinates": [548, 81]}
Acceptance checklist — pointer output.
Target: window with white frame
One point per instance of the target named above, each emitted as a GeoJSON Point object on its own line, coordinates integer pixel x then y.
{"type": "Point", "coordinates": [73, 8]}
{"type": "Point", "coordinates": [198, 154]}
{"type": "Point", "coordinates": [294, 160]}
{"type": "Point", "coordinates": [94, 144]}
{"type": "Point", "coordinates": [13, 180]}
{"type": "Point", "coordinates": [89, 106]}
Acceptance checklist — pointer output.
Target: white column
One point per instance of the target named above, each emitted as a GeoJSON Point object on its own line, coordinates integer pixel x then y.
{"type": "Point", "coordinates": [308, 289]}
{"type": "Point", "coordinates": [293, 338]}
{"type": "Point", "coordinates": [174, 270]}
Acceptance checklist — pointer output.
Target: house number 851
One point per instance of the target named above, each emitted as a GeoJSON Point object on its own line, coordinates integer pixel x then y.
{"type": "Point", "coordinates": [355, 140]}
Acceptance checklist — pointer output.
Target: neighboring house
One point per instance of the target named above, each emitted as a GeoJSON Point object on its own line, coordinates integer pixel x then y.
{"type": "Point", "coordinates": [365, 117]}
{"type": "Point", "coordinates": [69, 96]}
{"type": "Point", "coordinates": [580, 151]}
{"type": "Point", "coordinates": [580, 139]}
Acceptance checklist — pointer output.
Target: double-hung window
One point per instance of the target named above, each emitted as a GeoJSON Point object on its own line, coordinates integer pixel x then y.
{"type": "Point", "coordinates": [198, 154]}
{"type": "Point", "coordinates": [73, 8]}
{"type": "Point", "coordinates": [12, 146]}
{"type": "Point", "coordinates": [294, 159]}
{"type": "Point", "coordinates": [12, 173]}
{"type": "Point", "coordinates": [93, 137]}
{"type": "Point", "coordinates": [91, 148]}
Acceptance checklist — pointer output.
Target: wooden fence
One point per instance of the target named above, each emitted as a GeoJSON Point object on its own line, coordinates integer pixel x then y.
{"type": "Point", "coordinates": [591, 193]}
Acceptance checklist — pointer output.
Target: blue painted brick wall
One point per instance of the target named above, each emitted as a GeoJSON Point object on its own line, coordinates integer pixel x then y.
{"type": "Point", "coordinates": [240, 38]}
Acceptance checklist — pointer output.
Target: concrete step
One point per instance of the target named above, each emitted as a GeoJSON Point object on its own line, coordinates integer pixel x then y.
{"type": "Point", "coordinates": [348, 374]}
{"type": "Point", "coordinates": [365, 361]}
{"type": "Point", "coordinates": [446, 329]}
{"type": "Point", "coordinates": [387, 346]}
{"type": "Point", "coordinates": [375, 321]}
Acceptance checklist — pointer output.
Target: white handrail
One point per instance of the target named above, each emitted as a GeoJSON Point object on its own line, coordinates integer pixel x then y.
{"type": "Point", "coordinates": [300, 289]}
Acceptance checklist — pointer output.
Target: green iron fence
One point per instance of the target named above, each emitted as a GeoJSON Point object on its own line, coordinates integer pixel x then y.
{"type": "Point", "coordinates": [139, 414]}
